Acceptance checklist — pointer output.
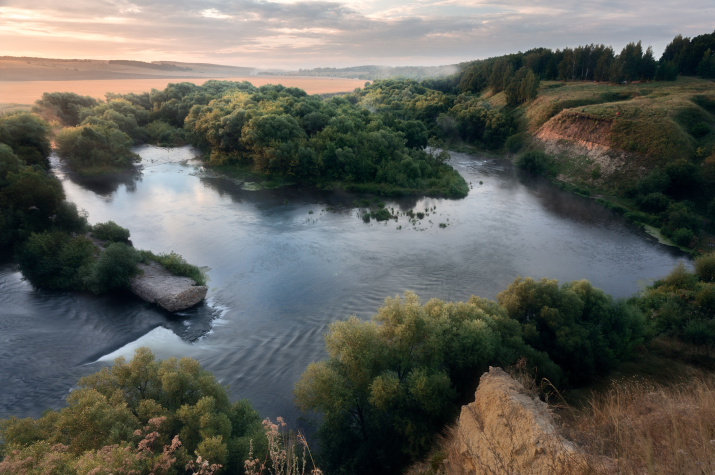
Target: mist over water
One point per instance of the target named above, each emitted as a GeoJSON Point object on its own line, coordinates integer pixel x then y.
{"type": "Point", "coordinates": [279, 274]}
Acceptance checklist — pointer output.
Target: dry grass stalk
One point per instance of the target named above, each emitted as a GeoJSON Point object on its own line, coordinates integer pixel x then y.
{"type": "Point", "coordinates": [644, 428]}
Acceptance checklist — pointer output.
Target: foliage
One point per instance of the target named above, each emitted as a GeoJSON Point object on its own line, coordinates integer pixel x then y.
{"type": "Point", "coordinates": [175, 264]}
{"type": "Point", "coordinates": [389, 384]}
{"type": "Point", "coordinates": [138, 415]}
{"type": "Point", "coordinates": [522, 88]}
{"type": "Point", "coordinates": [682, 304]}
{"type": "Point", "coordinates": [537, 162]}
{"type": "Point", "coordinates": [31, 201]}
{"type": "Point", "coordinates": [65, 106]}
{"type": "Point", "coordinates": [583, 63]}
{"type": "Point", "coordinates": [27, 136]}
{"type": "Point", "coordinates": [111, 232]}
{"type": "Point", "coordinates": [55, 260]}
{"type": "Point", "coordinates": [95, 147]}
{"type": "Point", "coordinates": [581, 328]}
{"type": "Point", "coordinates": [282, 131]}
{"type": "Point", "coordinates": [690, 56]}
{"type": "Point", "coordinates": [113, 268]}
{"type": "Point", "coordinates": [705, 267]}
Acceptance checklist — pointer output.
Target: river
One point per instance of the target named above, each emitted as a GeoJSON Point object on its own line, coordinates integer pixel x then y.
{"type": "Point", "coordinates": [285, 263]}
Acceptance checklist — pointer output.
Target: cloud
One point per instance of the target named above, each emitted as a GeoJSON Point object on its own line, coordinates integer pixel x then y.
{"type": "Point", "coordinates": [302, 33]}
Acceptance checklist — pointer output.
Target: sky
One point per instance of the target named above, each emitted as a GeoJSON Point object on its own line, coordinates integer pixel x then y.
{"type": "Point", "coordinates": [294, 34]}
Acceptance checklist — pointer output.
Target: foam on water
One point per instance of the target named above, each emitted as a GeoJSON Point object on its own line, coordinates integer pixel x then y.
{"type": "Point", "coordinates": [162, 342]}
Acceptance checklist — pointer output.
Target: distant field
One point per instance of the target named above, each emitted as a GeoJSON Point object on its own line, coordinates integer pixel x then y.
{"type": "Point", "coordinates": [27, 92]}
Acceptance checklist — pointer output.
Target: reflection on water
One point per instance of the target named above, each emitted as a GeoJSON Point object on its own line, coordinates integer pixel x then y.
{"type": "Point", "coordinates": [285, 263]}
{"type": "Point", "coordinates": [103, 185]}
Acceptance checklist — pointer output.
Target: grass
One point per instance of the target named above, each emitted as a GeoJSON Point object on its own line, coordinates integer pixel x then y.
{"type": "Point", "coordinates": [175, 264]}
{"type": "Point", "coordinates": [654, 414]}
{"type": "Point", "coordinates": [637, 426]}
{"type": "Point", "coordinates": [660, 120]}
{"type": "Point", "coordinates": [288, 453]}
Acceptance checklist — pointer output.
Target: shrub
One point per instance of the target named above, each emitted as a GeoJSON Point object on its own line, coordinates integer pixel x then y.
{"type": "Point", "coordinates": [678, 278]}
{"type": "Point", "coordinates": [27, 136]}
{"type": "Point", "coordinates": [514, 143]}
{"type": "Point", "coordinates": [679, 216]}
{"type": "Point", "coordinates": [653, 202]}
{"type": "Point", "coordinates": [111, 232]}
{"type": "Point", "coordinates": [699, 332]}
{"type": "Point", "coordinates": [711, 209]}
{"type": "Point", "coordinates": [69, 219]}
{"type": "Point", "coordinates": [381, 214]}
{"type": "Point", "coordinates": [536, 162]}
{"type": "Point", "coordinates": [683, 237]}
{"type": "Point", "coordinates": [580, 327]}
{"type": "Point", "coordinates": [55, 260]}
{"type": "Point", "coordinates": [66, 106]}
{"type": "Point", "coordinates": [705, 267]}
{"type": "Point", "coordinates": [96, 147]}
{"type": "Point", "coordinates": [112, 270]}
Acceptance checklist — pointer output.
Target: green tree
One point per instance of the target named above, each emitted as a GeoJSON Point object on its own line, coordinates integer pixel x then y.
{"type": "Point", "coordinates": [390, 383]}
{"type": "Point", "coordinates": [96, 147]}
{"type": "Point", "coordinates": [56, 260]}
{"type": "Point", "coordinates": [27, 136]}
{"type": "Point", "coordinates": [65, 106]}
{"type": "Point", "coordinates": [113, 268]}
{"type": "Point", "coordinates": [116, 407]}
{"type": "Point", "coordinates": [580, 327]}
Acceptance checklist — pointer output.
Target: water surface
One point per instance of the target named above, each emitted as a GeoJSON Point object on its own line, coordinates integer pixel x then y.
{"type": "Point", "coordinates": [283, 264]}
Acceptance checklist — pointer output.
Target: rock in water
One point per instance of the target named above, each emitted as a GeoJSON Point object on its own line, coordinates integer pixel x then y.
{"type": "Point", "coordinates": [169, 291]}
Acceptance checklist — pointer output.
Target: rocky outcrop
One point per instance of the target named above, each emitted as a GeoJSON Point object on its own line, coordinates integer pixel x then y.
{"type": "Point", "coordinates": [157, 285]}
{"type": "Point", "coordinates": [583, 129]}
{"type": "Point", "coordinates": [507, 431]}
{"type": "Point", "coordinates": [571, 135]}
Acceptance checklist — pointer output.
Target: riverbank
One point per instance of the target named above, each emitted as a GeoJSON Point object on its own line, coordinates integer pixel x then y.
{"type": "Point", "coordinates": [644, 150]}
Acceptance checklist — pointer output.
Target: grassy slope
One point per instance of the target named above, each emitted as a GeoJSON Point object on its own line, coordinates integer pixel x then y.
{"type": "Point", "coordinates": [652, 122]}
{"type": "Point", "coordinates": [606, 137]}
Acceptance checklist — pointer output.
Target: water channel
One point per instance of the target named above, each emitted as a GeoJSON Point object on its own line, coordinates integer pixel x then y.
{"type": "Point", "coordinates": [285, 263]}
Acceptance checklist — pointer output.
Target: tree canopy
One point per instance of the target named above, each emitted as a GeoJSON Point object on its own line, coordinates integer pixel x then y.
{"type": "Point", "coordinates": [135, 412]}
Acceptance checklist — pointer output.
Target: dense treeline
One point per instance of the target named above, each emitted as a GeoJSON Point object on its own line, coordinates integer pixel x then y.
{"type": "Point", "coordinates": [283, 131]}
{"type": "Point", "coordinates": [594, 62]}
{"type": "Point", "coordinates": [691, 56]}
{"type": "Point", "coordinates": [273, 130]}
{"type": "Point", "coordinates": [583, 63]}
{"type": "Point", "coordinates": [391, 383]}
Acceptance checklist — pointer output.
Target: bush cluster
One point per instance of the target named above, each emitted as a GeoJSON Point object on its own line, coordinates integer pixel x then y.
{"type": "Point", "coordinates": [128, 416]}
{"type": "Point", "coordinates": [391, 383]}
